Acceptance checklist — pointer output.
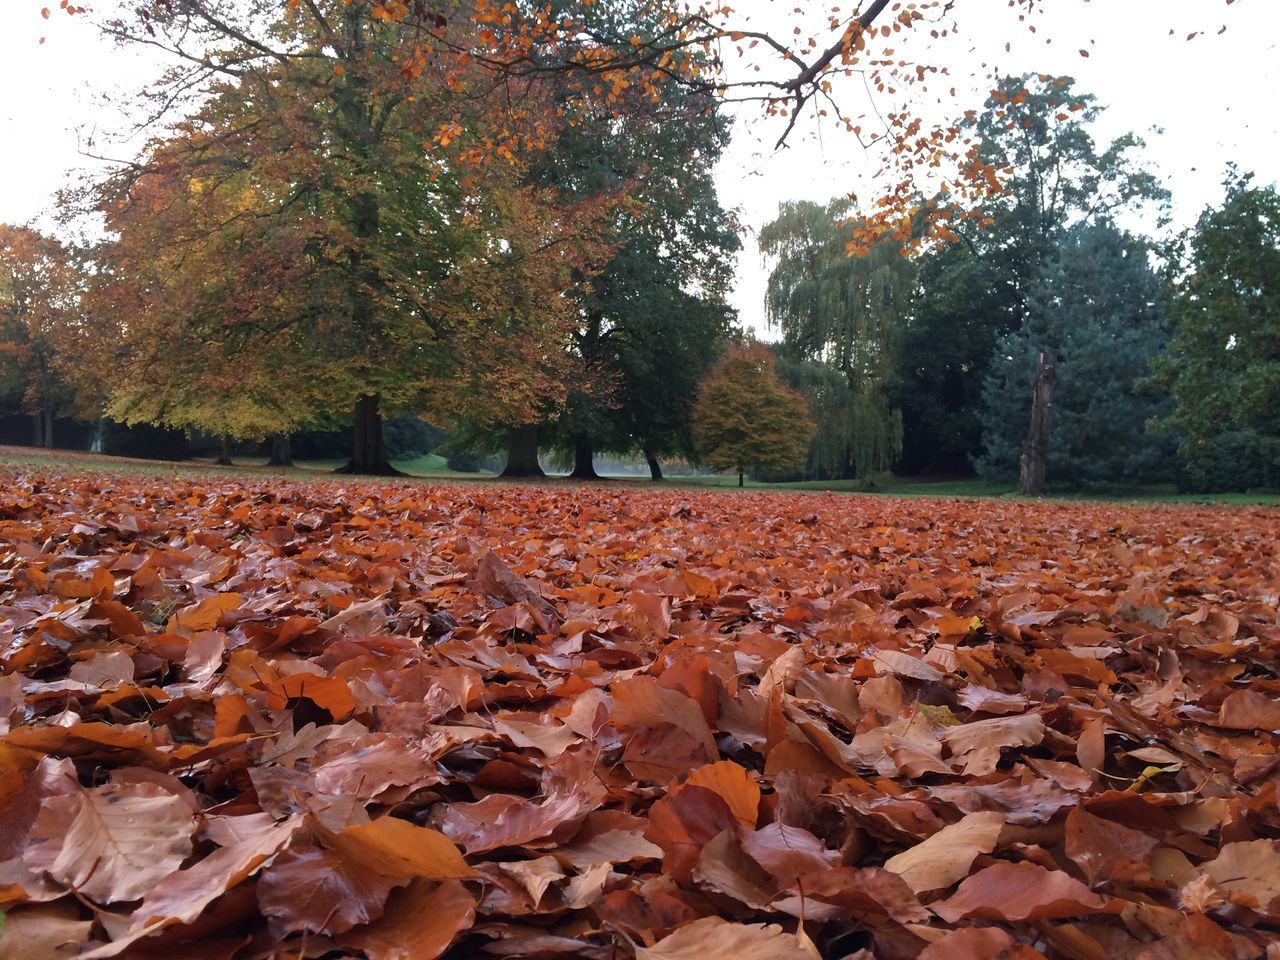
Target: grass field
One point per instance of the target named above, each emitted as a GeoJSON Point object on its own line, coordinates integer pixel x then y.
{"type": "Point", "coordinates": [435, 467]}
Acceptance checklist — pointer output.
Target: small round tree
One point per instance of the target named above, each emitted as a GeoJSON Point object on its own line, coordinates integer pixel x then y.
{"type": "Point", "coordinates": [746, 419]}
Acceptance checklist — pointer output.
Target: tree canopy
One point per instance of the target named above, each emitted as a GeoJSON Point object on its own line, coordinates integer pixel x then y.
{"type": "Point", "coordinates": [1037, 130]}
{"type": "Point", "coordinates": [1223, 362]}
{"type": "Point", "coordinates": [41, 329]}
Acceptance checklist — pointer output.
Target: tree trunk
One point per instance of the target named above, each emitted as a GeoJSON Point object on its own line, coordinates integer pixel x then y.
{"type": "Point", "coordinates": [522, 452]}
{"type": "Point", "coordinates": [368, 454]}
{"type": "Point", "coordinates": [584, 467]}
{"type": "Point", "coordinates": [37, 429]}
{"type": "Point", "coordinates": [224, 455]}
{"type": "Point", "coordinates": [739, 478]}
{"type": "Point", "coordinates": [48, 427]}
{"type": "Point", "coordinates": [281, 455]}
{"type": "Point", "coordinates": [655, 468]}
{"type": "Point", "coordinates": [1035, 449]}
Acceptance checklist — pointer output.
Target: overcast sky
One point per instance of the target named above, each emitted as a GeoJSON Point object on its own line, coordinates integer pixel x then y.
{"type": "Point", "coordinates": [1214, 99]}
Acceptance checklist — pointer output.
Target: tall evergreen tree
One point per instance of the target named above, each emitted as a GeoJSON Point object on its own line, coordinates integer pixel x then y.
{"type": "Point", "coordinates": [1037, 130]}
{"type": "Point", "coordinates": [1096, 306]}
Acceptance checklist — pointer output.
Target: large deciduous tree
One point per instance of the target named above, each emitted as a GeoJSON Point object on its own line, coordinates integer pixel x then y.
{"type": "Point", "coordinates": [1222, 364]}
{"type": "Point", "coordinates": [803, 70]}
{"type": "Point", "coordinates": [655, 317]}
{"type": "Point", "coordinates": [361, 210]}
{"type": "Point", "coordinates": [847, 314]}
{"type": "Point", "coordinates": [41, 326]}
{"type": "Point", "coordinates": [748, 420]}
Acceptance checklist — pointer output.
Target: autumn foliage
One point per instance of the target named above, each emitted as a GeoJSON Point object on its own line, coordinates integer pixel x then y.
{"type": "Point", "coordinates": [746, 419]}
{"type": "Point", "coordinates": [259, 718]}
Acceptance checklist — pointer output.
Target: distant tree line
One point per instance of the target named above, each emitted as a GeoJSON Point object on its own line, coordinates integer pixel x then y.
{"type": "Point", "coordinates": [258, 290]}
{"type": "Point", "coordinates": [1167, 348]}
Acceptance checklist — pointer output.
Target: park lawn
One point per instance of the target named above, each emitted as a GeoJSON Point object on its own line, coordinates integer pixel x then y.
{"type": "Point", "coordinates": [435, 467]}
{"type": "Point", "coordinates": [557, 703]}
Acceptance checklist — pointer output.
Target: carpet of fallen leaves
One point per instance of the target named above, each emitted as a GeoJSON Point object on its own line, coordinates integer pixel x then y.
{"type": "Point", "coordinates": [250, 719]}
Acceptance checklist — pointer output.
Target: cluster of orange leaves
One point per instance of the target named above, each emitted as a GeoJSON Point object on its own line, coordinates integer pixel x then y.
{"type": "Point", "coordinates": [250, 719]}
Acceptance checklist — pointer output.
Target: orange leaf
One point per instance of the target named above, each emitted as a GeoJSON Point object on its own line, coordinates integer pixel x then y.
{"type": "Point", "coordinates": [332, 693]}
{"type": "Point", "coordinates": [397, 848]}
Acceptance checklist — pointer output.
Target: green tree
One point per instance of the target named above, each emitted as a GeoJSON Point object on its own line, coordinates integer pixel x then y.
{"type": "Point", "coordinates": [1222, 364]}
{"type": "Point", "coordinates": [1037, 131]}
{"type": "Point", "coordinates": [655, 317]}
{"type": "Point", "coordinates": [847, 314]}
{"type": "Point", "coordinates": [1097, 307]}
{"type": "Point", "coordinates": [746, 419]}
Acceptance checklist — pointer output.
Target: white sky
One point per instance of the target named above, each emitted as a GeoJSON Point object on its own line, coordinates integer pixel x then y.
{"type": "Point", "coordinates": [1214, 98]}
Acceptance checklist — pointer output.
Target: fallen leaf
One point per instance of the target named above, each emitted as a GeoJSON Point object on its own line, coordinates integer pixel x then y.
{"type": "Point", "coordinates": [321, 891]}
{"type": "Point", "coordinates": [1012, 892]}
{"type": "Point", "coordinates": [420, 922]}
{"type": "Point", "coordinates": [397, 848]}
{"type": "Point", "coordinates": [972, 943]}
{"type": "Point", "coordinates": [1249, 710]}
{"type": "Point", "coordinates": [1249, 872]}
{"type": "Point", "coordinates": [942, 859]}
{"type": "Point", "coordinates": [42, 932]}
{"type": "Point", "coordinates": [205, 614]}
{"type": "Point", "coordinates": [111, 843]}
{"type": "Point", "coordinates": [734, 785]}
{"type": "Point", "coordinates": [714, 937]}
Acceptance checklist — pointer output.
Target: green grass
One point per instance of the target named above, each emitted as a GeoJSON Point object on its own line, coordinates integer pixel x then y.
{"type": "Point", "coordinates": [430, 466]}
{"type": "Point", "coordinates": [434, 467]}
{"type": "Point", "coordinates": [884, 486]}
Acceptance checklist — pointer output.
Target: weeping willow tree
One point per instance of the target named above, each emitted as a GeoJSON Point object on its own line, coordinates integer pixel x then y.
{"type": "Point", "coordinates": [841, 320]}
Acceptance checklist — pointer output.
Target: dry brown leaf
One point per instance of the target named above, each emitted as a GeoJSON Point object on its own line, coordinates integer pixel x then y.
{"type": "Point", "coordinates": [397, 848]}
{"type": "Point", "coordinates": [1249, 873]}
{"type": "Point", "coordinates": [714, 937]}
{"type": "Point", "coordinates": [43, 932]}
{"type": "Point", "coordinates": [112, 843]}
{"type": "Point", "coordinates": [321, 891]}
{"type": "Point", "coordinates": [419, 922]}
{"type": "Point", "coordinates": [1012, 892]}
{"type": "Point", "coordinates": [945, 857]}
{"type": "Point", "coordinates": [735, 786]}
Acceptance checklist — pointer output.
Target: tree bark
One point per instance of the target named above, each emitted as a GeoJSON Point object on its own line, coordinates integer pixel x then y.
{"type": "Point", "coordinates": [739, 478]}
{"type": "Point", "coordinates": [655, 468]}
{"type": "Point", "coordinates": [1035, 449]}
{"type": "Point", "coordinates": [48, 426]}
{"type": "Point", "coordinates": [522, 452]}
{"type": "Point", "coordinates": [368, 453]}
{"type": "Point", "coordinates": [37, 429]}
{"type": "Point", "coordinates": [281, 455]}
{"type": "Point", "coordinates": [584, 467]}
{"type": "Point", "coordinates": [224, 455]}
